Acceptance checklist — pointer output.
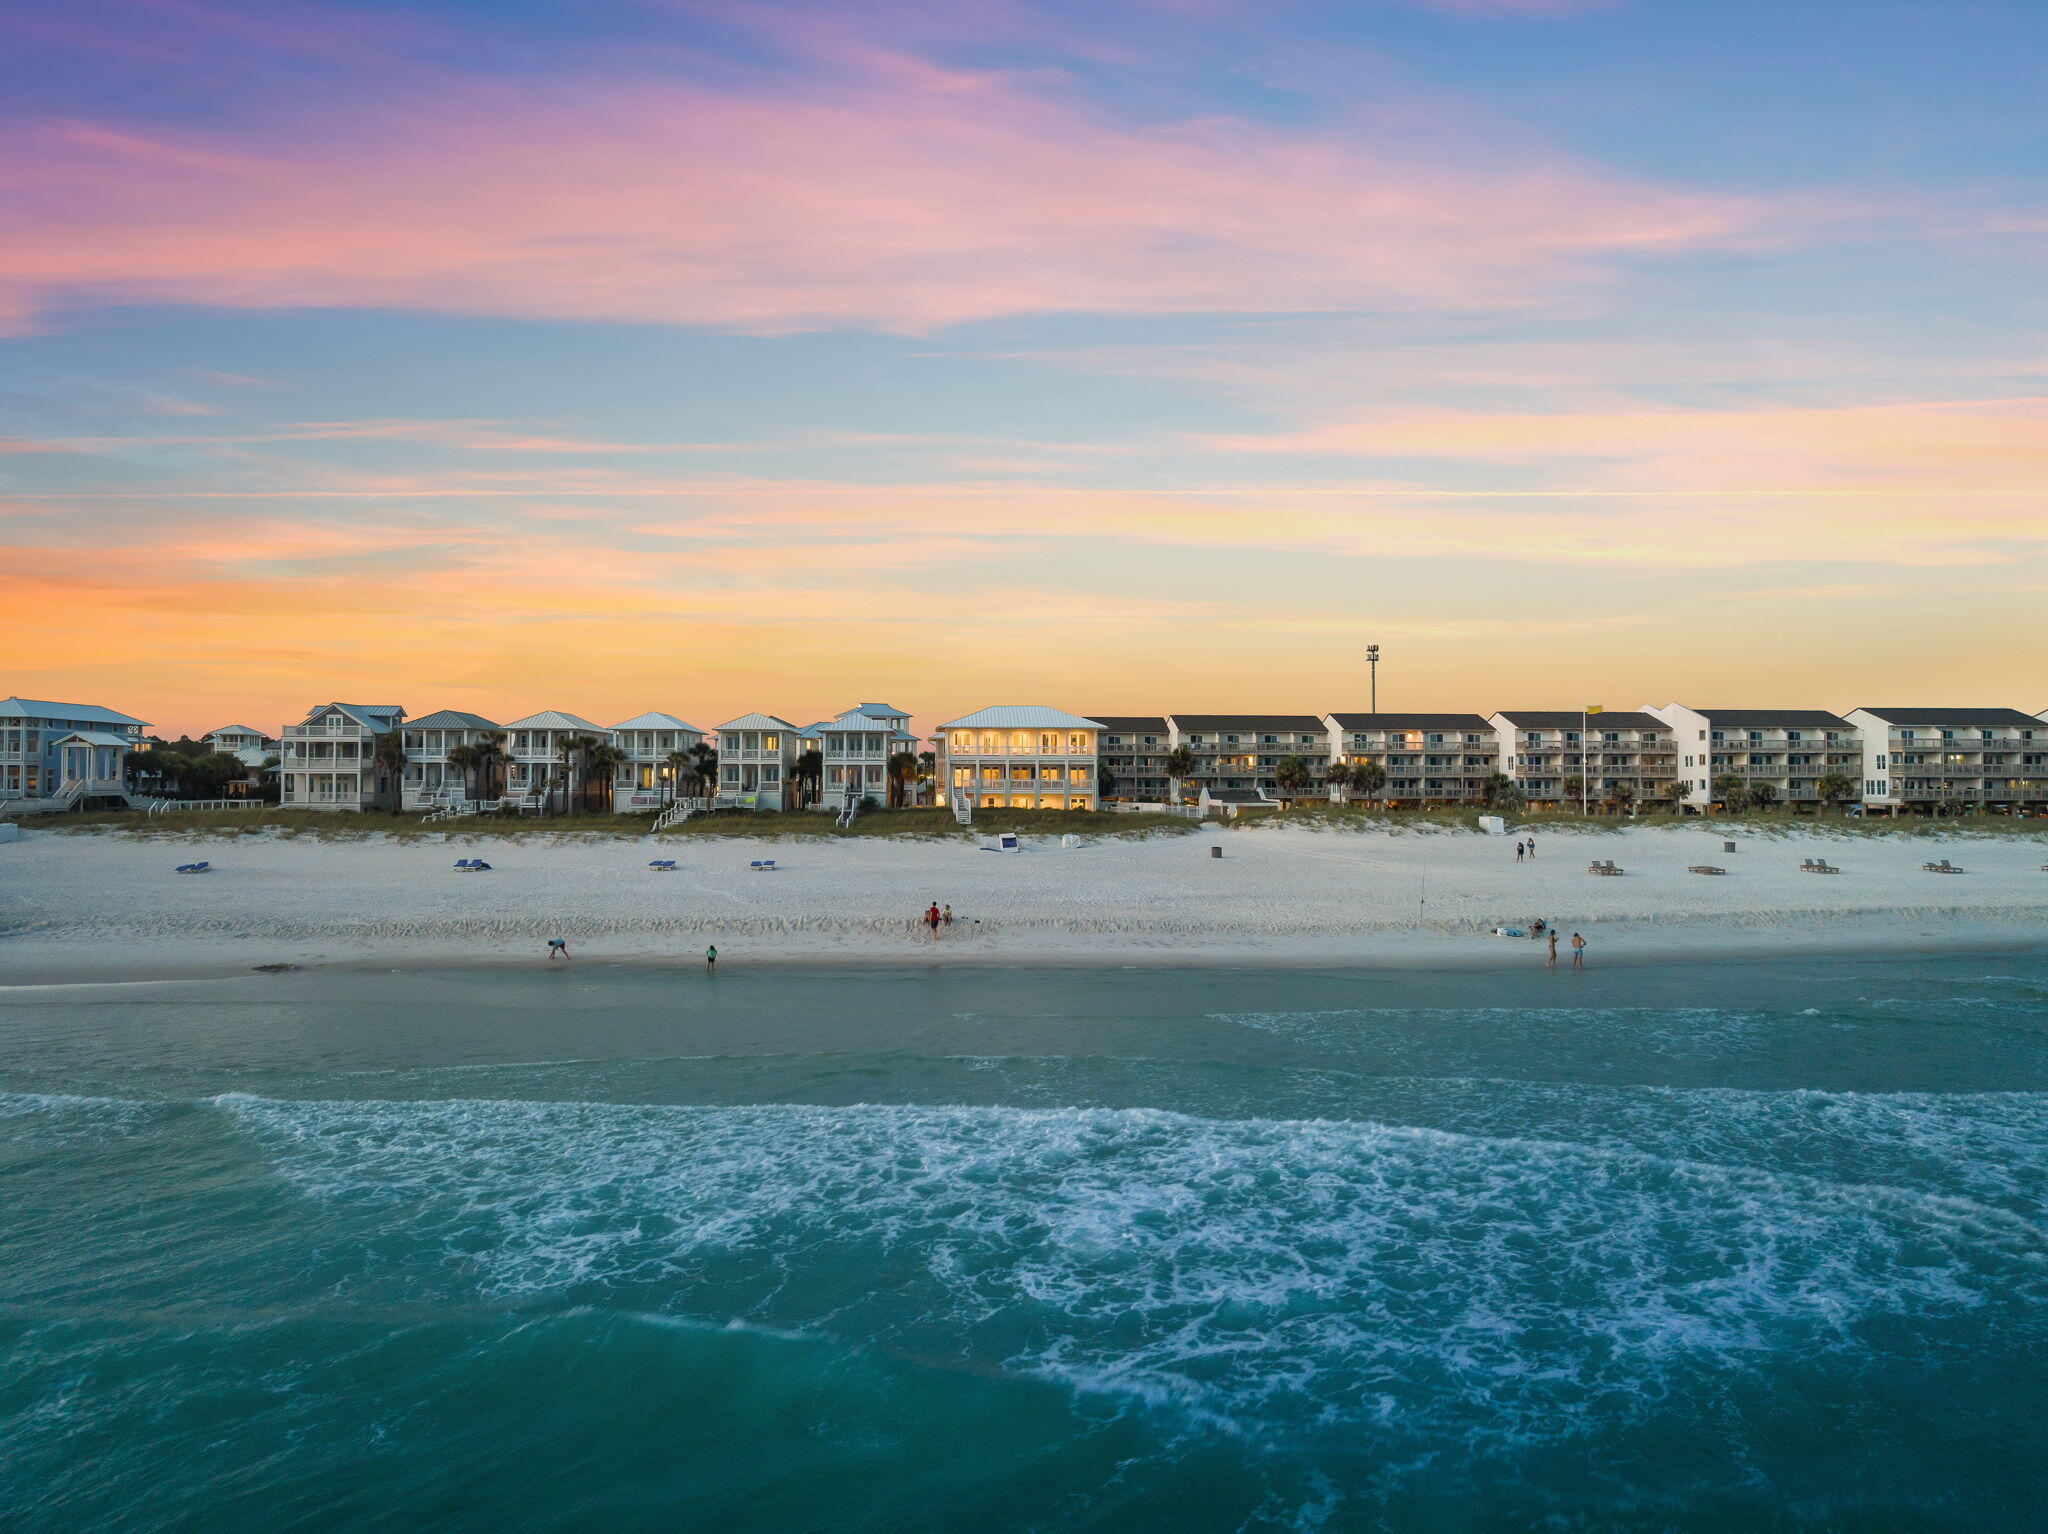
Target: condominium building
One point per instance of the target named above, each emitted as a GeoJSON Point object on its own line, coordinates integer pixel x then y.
{"type": "Point", "coordinates": [33, 767]}
{"type": "Point", "coordinates": [1244, 751]}
{"type": "Point", "coordinates": [1566, 757]}
{"type": "Point", "coordinates": [1935, 759]}
{"type": "Point", "coordinates": [1427, 758]}
{"type": "Point", "coordinates": [431, 780]}
{"type": "Point", "coordinates": [328, 762]}
{"type": "Point", "coordinates": [542, 772]}
{"type": "Point", "coordinates": [756, 760]}
{"type": "Point", "coordinates": [1021, 756]}
{"type": "Point", "coordinates": [647, 779]}
{"type": "Point", "coordinates": [854, 750]}
{"type": "Point", "coordinates": [1133, 751]}
{"type": "Point", "coordinates": [1787, 752]}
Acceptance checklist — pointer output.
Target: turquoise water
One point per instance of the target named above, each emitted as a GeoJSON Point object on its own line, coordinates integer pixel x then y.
{"type": "Point", "coordinates": [1741, 1247]}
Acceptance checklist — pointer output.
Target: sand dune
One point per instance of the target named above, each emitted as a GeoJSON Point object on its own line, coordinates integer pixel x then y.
{"type": "Point", "coordinates": [110, 904]}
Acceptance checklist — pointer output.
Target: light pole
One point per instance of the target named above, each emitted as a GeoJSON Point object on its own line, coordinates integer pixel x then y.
{"type": "Point", "coordinates": [1372, 666]}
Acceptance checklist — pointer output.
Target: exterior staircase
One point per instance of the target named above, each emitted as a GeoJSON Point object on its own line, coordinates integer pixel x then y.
{"type": "Point", "coordinates": [963, 807]}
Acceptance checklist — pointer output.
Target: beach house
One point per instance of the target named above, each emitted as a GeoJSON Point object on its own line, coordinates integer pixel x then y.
{"type": "Point", "coordinates": [431, 780]}
{"type": "Point", "coordinates": [1133, 751]}
{"type": "Point", "coordinates": [1767, 755]}
{"type": "Point", "coordinates": [329, 762]}
{"type": "Point", "coordinates": [1424, 759]}
{"type": "Point", "coordinates": [648, 779]}
{"type": "Point", "coordinates": [547, 770]}
{"type": "Point", "coordinates": [1935, 760]}
{"type": "Point", "coordinates": [1244, 751]}
{"type": "Point", "coordinates": [250, 745]}
{"type": "Point", "coordinates": [1021, 756]}
{"type": "Point", "coordinates": [37, 771]}
{"type": "Point", "coordinates": [756, 760]}
{"type": "Point", "coordinates": [854, 751]}
{"type": "Point", "coordinates": [1566, 757]}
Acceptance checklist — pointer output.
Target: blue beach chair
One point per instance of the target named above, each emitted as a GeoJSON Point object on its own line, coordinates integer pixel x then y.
{"type": "Point", "coordinates": [663, 865]}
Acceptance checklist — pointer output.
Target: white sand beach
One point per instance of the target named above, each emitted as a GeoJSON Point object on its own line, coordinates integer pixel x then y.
{"type": "Point", "coordinates": [76, 906]}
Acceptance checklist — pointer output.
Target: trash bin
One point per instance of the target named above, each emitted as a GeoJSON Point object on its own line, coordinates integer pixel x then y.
{"type": "Point", "coordinates": [1727, 846]}
{"type": "Point", "coordinates": [1215, 852]}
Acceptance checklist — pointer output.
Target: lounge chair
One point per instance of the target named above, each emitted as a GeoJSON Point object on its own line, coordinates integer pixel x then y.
{"type": "Point", "coordinates": [1705, 868]}
{"type": "Point", "coordinates": [464, 865]}
{"type": "Point", "coordinates": [1818, 866]}
{"type": "Point", "coordinates": [763, 865]}
{"type": "Point", "coordinates": [194, 868]}
{"type": "Point", "coordinates": [1943, 867]}
{"type": "Point", "coordinates": [663, 865]}
{"type": "Point", "coordinates": [1605, 869]}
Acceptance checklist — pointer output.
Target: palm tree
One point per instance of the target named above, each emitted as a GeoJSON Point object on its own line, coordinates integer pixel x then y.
{"type": "Point", "coordinates": [574, 753]}
{"type": "Point", "coordinates": [1835, 788]}
{"type": "Point", "coordinates": [388, 755]}
{"type": "Point", "coordinates": [602, 762]}
{"type": "Point", "coordinates": [1623, 796]}
{"type": "Point", "coordinates": [465, 760]}
{"type": "Point", "coordinates": [677, 764]}
{"type": "Point", "coordinates": [1369, 778]}
{"type": "Point", "coordinates": [1732, 791]}
{"type": "Point", "coordinates": [1762, 795]}
{"type": "Point", "coordinates": [704, 767]}
{"type": "Point", "coordinates": [901, 768]}
{"type": "Point", "coordinates": [1292, 775]}
{"type": "Point", "coordinates": [1575, 789]}
{"type": "Point", "coordinates": [1105, 784]}
{"type": "Point", "coordinates": [809, 774]}
{"type": "Point", "coordinates": [1499, 792]}
{"type": "Point", "coordinates": [1180, 762]}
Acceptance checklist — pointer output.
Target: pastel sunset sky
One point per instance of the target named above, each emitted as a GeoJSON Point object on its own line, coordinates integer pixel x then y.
{"type": "Point", "coordinates": [630, 354]}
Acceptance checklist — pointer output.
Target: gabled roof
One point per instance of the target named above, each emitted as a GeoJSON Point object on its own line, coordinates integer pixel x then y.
{"type": "Point", "coordinates": [374, 717]}
{"type": "Point", "coordinates": [1774, 718]}
{"type": "Point", "coordinates": [1253, 723]}
{"type": "Point", "coordinates": [235, 729]}
{"type": "Point", "coordinates": [556, 719]}
{"type": "Point", "coordinates": [1133, 724]}
{"type": "Point", "coordinates": [1443, 722]}
{"type": "Point", "coordinates": [85, 713]}
{"type": "Point", "coordinates": [852, 724]}
{"type": "Point", "coordinates": [759, 722]}
{"type": "Point", "coordinates": [878, 711]}
{"type": "Point", "coordinates": [1956, 718]}
{"type": "Point", "coordinates": [450, 719]}
{"type": "Point", "coordinates": [96, 738]}
{"type": "Point", "coordinates": [1020, 716]}
{"type": "Point", "coordinates": [657, 721]}
{"type": "Point", "coordinates": [1568, 719]}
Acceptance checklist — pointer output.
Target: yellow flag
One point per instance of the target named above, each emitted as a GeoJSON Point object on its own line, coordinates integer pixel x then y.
{"type": "Point", "coordinates": [1594, 708]}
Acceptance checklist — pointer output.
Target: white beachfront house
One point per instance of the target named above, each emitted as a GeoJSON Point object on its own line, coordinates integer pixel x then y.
{"type": "Point", "coordinates": [646, 779]}
{"type": "Point", "coordinates": [1021, 756]}
{"type": "Point", "coordinates": [540, 776]}
{"type": "Point", "coordinates": [1786, 751]}
{"type": "Point", "coordinates": [329, 761]}
{"type": "Point", "coordinates": [1932, 760]}
{"type": "Point", "coordinates": [1427, 758]}
{"type": "Point", "coordinates": [431, 780]}
{"type": "Point", "coordinates": [854, 750]}
{"type": "Point", "coordinates": [37, 774]}
{"type": "Point", "coordinates": [252, 746]}
{"type": "Point", "coordinates": [1622, 758]}
{"type": "Point", "coordinates": [756, 760]}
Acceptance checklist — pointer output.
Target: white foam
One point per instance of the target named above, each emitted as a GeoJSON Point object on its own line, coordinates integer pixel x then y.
{"type": "Point", "coordinates": [1389, 1281]}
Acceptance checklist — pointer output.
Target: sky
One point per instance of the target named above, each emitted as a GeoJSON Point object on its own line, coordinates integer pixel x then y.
{"type": "Point", "coordinates": [1124, 357]}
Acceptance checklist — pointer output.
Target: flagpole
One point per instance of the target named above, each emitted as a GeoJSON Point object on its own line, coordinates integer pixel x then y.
{"type": "Point", "coordinates": [1584, 715]}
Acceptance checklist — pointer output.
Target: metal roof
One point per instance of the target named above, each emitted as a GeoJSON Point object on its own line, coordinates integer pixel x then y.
{"type": "Point", "coordinates": [759, 722]}
{"type": "Point", "coordinates": [1956, 718]}
{"type": "Point", "coordinates": [657, 721]}
{"type": "Point", "coordinates": [1411, 722]}
{"type": "Point", "coordinates": [98, 738]}
{"type": "Point", "coordinates": [450, 719]}
{"type": "Point", "coordinates": [235, 729]}
{"type": "Point", "coordinates": [1568, 719]}
{"type": "Point", "coordinates": [1309, 723]}
{"type": "Point", "coordinates": [853, 724]}
{"type": "Point", "coordinates": [555, 719]}
{"type": "Point", "coordinates": [374, 717]}
{"type": "Point", "coordinates": [1133, 724]}
{"type": "Point", "coordinates": [878, 711]}
{"type": "Point", "coordinates": [1774, 718]}
{"type": "Point", "coordinates": [85, 713]}
{"type": "Point", "coordinates": [1021, 716]}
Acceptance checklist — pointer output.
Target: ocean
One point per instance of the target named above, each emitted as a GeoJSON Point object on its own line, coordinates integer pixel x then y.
{"type": "Point", "coordinates": [1737, 1247]}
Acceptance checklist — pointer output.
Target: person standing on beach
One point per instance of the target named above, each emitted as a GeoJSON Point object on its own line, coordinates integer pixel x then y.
{"type": "Point", "coordinates": [710, 958]}
{"type": "Point", "coordinates": [558, 948]}
{"type": "Point", "coordinates": [1552, 962]}
{"type": "Point", "coordinates": [1578, 951]}
{"type": "Point", "coordinates": [931, 918]}
{"type": "Point", "coordinates": [1532, 849]}
{"type": "Point", "coordinates": [1518, 852]}
{"type": "Point", "coordinates": [946, 916]}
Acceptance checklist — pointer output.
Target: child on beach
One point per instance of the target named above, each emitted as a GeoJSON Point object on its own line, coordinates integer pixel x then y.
{"type": "Point", "coordinates": [558, 948]}
{"type": "Point", "coordinates": [711, 958]}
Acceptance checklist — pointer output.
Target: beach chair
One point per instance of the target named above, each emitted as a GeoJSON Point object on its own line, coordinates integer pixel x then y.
{"type": "Point", "coordinates": [1604, 869]}
{"type": "Point", "coordinates": [1943, 867]}
{"type": "Point", "coordinates": [464, 865]}
{"type": "Point", "coordinates": [663, 865]}
{"type": "Point", "coordinates": [193, 868]}
{"type": "Point", "coordinates": [763, 865]}
{"type": "Point", "coordinates": [1705, 868]}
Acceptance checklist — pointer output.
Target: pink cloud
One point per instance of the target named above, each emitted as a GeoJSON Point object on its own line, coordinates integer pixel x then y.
{"type": "Point", "coordinates": [895, 194]}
